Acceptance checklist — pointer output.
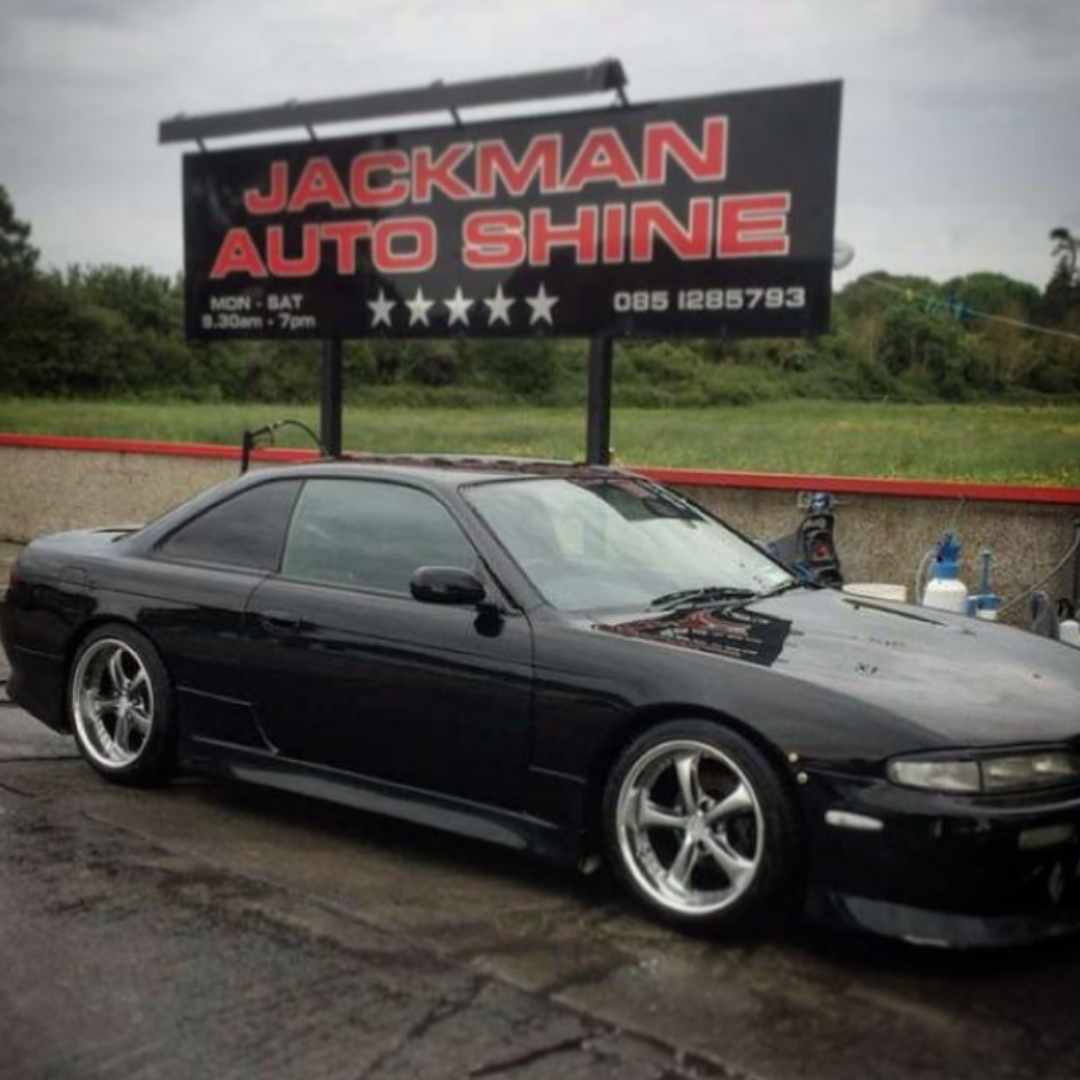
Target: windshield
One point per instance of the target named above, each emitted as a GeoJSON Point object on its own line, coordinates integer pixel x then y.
{"type": "Point", "coordinates": [618, 542]}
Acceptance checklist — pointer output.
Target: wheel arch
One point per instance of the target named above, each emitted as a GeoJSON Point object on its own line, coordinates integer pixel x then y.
{"type": "Point", "coordinates": [641, 721]}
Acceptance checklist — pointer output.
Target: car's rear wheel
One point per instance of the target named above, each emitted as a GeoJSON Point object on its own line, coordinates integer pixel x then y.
{"type": "Point", "coordinates": [121, 706]}
{"type": "Point", "coordinates": [702, 828]}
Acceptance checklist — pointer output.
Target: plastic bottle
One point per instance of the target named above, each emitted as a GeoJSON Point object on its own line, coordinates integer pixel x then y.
{"type": "Point", "coordinates": [1068, 627]}
{"type": "Point", "coordinates": [945, 591]}
{"type": "Point", "coordinates": [986, 604]}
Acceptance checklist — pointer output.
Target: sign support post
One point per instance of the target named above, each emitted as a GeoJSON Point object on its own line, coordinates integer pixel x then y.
{"type": "Point", "coordinates": [331, 406]}
{"type": "Point", "coordinates": [598, 408]}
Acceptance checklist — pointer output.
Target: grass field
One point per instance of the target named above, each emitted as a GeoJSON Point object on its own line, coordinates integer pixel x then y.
{"type": "Point", "coordinates": [1005, 443]}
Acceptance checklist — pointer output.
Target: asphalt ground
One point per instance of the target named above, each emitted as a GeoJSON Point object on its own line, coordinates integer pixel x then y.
{"type": "Point", "coordinates": [213, 930]}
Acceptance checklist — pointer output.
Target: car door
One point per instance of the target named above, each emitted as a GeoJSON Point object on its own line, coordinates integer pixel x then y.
{"type": "Point", "coordinates": [349, 671]}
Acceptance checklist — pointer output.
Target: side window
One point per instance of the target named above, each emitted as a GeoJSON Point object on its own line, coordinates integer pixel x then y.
{"type": "Point", "coordinates": [247, 530]}
{"type": "Point", "coordinates": [371, 534]}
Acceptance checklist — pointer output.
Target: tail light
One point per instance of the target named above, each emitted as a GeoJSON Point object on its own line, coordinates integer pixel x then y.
{"type": "Point", "coordinates": [13, 575]}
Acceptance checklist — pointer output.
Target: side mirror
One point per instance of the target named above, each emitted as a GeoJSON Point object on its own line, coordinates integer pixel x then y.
{"type": "Point", "coordinates": [447, 585]}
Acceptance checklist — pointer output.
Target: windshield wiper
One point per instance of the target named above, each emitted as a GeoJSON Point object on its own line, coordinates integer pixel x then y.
{"type": "Point", "coordinates": [768, 594]}
{"type": "Point", "coordinates": [702, 595]}
{"type": "Point", "coordinates": [708, 594]}
{"type": "Point", "coordinates": [795, 583]}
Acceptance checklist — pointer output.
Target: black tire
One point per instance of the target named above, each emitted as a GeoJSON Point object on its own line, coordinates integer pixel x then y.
{"type": "Point", "coordinates": [769, 831]}
{"type": "Point", "coordinates": [148, 757]}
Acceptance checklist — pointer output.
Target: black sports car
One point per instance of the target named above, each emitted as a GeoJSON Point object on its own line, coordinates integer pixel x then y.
{"type": "Point", "coordinates": [579, 663]}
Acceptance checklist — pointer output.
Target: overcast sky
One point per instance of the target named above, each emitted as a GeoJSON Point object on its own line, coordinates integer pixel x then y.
{"type": "Point", "coordinates": [960, 143]}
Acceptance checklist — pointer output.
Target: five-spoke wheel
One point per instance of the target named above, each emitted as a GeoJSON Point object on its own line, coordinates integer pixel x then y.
{"type": "Point", "coordinates": [112, 702]}
{"type": "Point", "coordinates": [690, 827]}
{"type": "Point", "coordinates": [700, 825]}
{"type": "Point", "coordinates": [119, 705]}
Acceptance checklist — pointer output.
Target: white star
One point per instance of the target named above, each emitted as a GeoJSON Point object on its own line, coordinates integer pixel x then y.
{"type": "Point", "coordinates": [458, 307]}
{"type": "Point", "coordinates": [380, 309]}
{"type": "Point", "coordinates": [499, 307]}
{"type": "Point", "coordinates": [541, 305]}
{"type": "Point", "coordinates": [418, 308]}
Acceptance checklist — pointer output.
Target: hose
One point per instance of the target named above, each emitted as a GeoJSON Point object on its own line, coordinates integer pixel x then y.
{"type": "Point", "coordinates": [1045, 581]}
{"type": "Point", "coordinates": [920, 587]}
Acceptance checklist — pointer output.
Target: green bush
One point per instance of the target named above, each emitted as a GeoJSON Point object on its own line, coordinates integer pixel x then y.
{"type": "Point", "coordinates": [1057, 374]}
{"type": "Point", "coordinates": [858, 379]}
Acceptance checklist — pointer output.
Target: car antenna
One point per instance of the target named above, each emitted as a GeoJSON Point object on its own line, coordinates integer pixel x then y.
{"type": "Point", "coordinates": [252, 436]}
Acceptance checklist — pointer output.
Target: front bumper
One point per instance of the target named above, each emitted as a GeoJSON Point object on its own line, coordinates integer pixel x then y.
{"type": "Point", "coordinates": [942, 929]}
{"type": "Point", "coordinates": [944, 870]}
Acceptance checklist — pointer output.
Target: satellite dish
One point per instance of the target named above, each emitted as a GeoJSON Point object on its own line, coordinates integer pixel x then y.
{"type": "Point", "coordinates": [842, 254]}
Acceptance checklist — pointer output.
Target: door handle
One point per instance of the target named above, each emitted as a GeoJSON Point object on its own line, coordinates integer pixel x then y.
{"type": "Point", "coordinates": [278, 622]}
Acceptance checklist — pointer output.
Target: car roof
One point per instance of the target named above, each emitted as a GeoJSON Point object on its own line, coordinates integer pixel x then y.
{"type": "Point", "coordinates": [443, 470]}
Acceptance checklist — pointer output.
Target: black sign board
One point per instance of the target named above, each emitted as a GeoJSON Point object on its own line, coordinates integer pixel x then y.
{"type": "Point", "coordinates": [695, 217]}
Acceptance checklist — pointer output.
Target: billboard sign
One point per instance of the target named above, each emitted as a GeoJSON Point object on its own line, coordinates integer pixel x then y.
{"type": "Point", "coordinates": [696, 217]}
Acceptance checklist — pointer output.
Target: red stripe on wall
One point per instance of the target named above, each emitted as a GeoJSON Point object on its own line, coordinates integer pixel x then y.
{"type": "Point", "coordinates": [144, 446]}
{"type": "Point", "coordinates": [867, 485]}
{"type": "Point", "coordinates": [859, 485]}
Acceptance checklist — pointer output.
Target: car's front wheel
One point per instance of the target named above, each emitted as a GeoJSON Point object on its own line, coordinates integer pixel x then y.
{"type": "Point", "coordinates": [701, 827]}
{"type": "Point", "coordinates": [121, 706]}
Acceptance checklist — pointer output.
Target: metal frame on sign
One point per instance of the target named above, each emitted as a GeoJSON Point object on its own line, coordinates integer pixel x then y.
{"type": "Point", "coordinates": [604, 77]}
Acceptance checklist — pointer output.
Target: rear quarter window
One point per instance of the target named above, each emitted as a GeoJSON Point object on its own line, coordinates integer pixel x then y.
{"type": "Point", "coordinates": [247, 530]}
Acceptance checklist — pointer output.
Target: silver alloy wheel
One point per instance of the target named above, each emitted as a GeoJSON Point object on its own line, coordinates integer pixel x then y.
{"type": "Point", "coordinates": [690, 827]}
{"type": "Point", "coordinates": [112, 703]}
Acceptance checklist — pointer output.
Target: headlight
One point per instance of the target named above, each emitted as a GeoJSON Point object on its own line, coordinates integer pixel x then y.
{"type": "Point", "coordinates": [937, 775]}
{"type": "Point", "coordinates": [989, 775]}
{"type": "Point", "coordinates": [1025, 771]}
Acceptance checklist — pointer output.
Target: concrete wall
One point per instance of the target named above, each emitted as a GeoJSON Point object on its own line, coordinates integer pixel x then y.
{"type": "Point", "coordinates": [880, 538]}
{"type": "Point", "coordinates": [44, 491]}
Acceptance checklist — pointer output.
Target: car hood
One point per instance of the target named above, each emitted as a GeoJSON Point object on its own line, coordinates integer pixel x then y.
{"type": "Point", "coordinates": [969, 682]}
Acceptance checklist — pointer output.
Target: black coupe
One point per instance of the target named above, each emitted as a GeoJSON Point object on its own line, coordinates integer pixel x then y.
{"type": "Point", "coordinates": [579, 663]}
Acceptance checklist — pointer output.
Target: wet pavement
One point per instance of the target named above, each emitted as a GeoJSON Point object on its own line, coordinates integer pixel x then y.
{"type": "Point", "coordinates": [210, 929]}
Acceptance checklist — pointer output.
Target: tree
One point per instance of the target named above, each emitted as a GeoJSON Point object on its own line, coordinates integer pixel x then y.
{"type": "Point", "coordinates": [994, 294]}
{"type": "Point", "coordinates": [18, 257]}
{"type": "Point", "coordinates": [151, 303]}
{"type": "Point", "coordinates": [1066, 249]}
{"type": "Point", "coordinates": [18, 262]}
{"type": "Point", "coordinates": [929, 347]}
{"type": "Point", "coordinates": [1062, 296]}
{"type": "Point", "coordinates": [872, 294]}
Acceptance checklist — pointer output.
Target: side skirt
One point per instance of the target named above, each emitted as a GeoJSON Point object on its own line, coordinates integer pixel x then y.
{"type": "Point", "coordinates": [517, 831]}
